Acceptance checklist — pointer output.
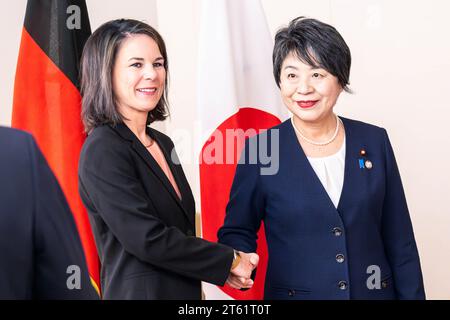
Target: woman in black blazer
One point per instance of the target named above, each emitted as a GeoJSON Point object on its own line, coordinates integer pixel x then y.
{"type": "Point", "coordinates": [140, 205]}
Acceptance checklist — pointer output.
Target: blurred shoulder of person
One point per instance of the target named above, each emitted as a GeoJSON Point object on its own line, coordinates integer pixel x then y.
{"type": "Point", "coordinates": [42, 255]}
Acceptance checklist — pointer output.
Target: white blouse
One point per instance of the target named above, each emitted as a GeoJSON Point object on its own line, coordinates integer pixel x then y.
{"type": "Point", "coordinates": [330, 171]}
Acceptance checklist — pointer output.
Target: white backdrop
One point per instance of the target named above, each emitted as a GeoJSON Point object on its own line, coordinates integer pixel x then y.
{"type": "Point", "coordinates": [400, 76]}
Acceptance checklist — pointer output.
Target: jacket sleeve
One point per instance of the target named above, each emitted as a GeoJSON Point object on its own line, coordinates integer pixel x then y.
{"type": "Point", "coordinates": [109, 182]}
{"type": "Point", "coordinates": [398, 235]}
{"type": "Point", "coordinates": [245, 207]}
{"type": "Point", "coordinates": [60, 270]}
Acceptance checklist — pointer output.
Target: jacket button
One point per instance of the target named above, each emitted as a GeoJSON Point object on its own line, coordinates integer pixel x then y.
{"type": "Point", "coordinates": [337, 231]}
{"type": "Point", "coordinates": [340, 258]}
{"type": "Point", "coordinates": [190, 233]}
{"type": "Point", "coordinates": [291, 293]}
{"type": "Point", "coordinates": [342, 285]}
{"type": "Point", "coordinates": [384, 284]}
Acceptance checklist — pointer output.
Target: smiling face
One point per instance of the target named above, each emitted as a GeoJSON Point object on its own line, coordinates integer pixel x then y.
{"type": "Point", "coordinates": [138, 75]}
{"type": "Point", "coordinates": [309, 93]}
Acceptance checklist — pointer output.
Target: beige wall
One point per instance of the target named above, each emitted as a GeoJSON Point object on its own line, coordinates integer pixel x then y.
{"type": "Point", "coordinates": [400, 76]}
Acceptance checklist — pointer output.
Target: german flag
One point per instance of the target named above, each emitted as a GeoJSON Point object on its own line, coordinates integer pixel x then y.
{"type": "Point", "coordinates": [47, 99]}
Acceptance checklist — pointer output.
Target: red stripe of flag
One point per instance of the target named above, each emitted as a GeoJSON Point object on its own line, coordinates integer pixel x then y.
{"type": "Point", "coordinates": [48, 104]}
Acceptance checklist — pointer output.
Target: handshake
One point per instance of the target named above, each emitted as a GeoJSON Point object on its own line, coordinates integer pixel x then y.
{"type": "Point", "coordinates": [241, 271]}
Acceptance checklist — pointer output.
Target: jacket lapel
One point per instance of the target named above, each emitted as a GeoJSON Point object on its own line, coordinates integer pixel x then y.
{"type": "Point", "coordinates": [180, 179]}
{"type": "Point", "coordinates": [349, 155]}
{"type": "Point", "coordinates": [308, 175]}
{"type": "Point", "coordinates": [140, 149]}
{"type": "Point", "coordinates": [177, 172]}
{"type": "Point", "coordinates": [317, 187]}
{"type": "Point", "coordinates": [352, 175]}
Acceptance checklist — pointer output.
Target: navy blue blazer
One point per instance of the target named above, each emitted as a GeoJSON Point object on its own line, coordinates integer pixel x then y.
{"type": "Point", "coordinates": [318, 251]}
{"type": "Point", "coordinates": [39, 241]}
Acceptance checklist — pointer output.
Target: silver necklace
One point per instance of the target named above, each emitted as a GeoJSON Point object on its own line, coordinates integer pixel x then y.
{"type": "Point", "coordinates": [338, 120]}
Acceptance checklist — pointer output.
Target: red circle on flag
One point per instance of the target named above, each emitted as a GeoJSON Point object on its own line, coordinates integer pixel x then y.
{"type": "Point", "coordinates": [218, 161]}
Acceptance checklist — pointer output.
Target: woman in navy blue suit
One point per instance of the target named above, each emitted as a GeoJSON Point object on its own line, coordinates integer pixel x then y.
{"type": "Point", "coordinates": [335, 214]}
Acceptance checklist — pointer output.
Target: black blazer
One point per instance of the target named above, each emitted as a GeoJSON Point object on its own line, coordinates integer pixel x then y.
{"type": "Point", "coordinates": [38, 236]}
{"type": "Point", "coordinates": [145, 235]}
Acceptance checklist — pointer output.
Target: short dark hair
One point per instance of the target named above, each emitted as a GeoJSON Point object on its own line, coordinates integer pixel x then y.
{"type": "Point", "coordinates": [97, 62]}
{"type": "Point", "coordinates": [316, 44]}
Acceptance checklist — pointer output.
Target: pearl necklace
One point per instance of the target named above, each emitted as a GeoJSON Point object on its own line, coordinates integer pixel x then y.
{"type": "Point", "coordinates": [338, 120]}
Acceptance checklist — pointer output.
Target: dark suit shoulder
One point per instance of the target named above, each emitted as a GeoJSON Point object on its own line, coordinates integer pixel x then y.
{"type": "Point", "coordinates": [104, 138]}
{"type": "Point", "coordinates": [281, 128]}
{"type": "Point", "coordinates": [362, 125]}
{"type": "Point", "coordinates": [11, 137]}
{"type": "Point", "coordinates": [17, 149]}
{"type": "Point", "coordinates": [103, 134]}
{"type": "Point", "coordinates": [12, 132]}
{"type": "Point", "coordinates": [263, 133]}
{"type": "Point", "coordinates": [365, 130]}
{"type": "Point", "coordinates": [104, 146]}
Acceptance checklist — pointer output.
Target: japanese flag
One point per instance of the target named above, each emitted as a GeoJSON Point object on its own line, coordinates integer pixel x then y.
{"type": "Point", "coordinates": [237, 98]}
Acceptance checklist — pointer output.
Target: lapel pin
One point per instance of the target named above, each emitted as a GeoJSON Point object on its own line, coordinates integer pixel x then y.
{"type": "Point", "coordinates": [361, 163]}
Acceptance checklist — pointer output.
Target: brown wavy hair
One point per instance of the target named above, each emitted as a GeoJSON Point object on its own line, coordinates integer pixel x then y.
{"type": "Point", "coordinates": [97, 61]}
